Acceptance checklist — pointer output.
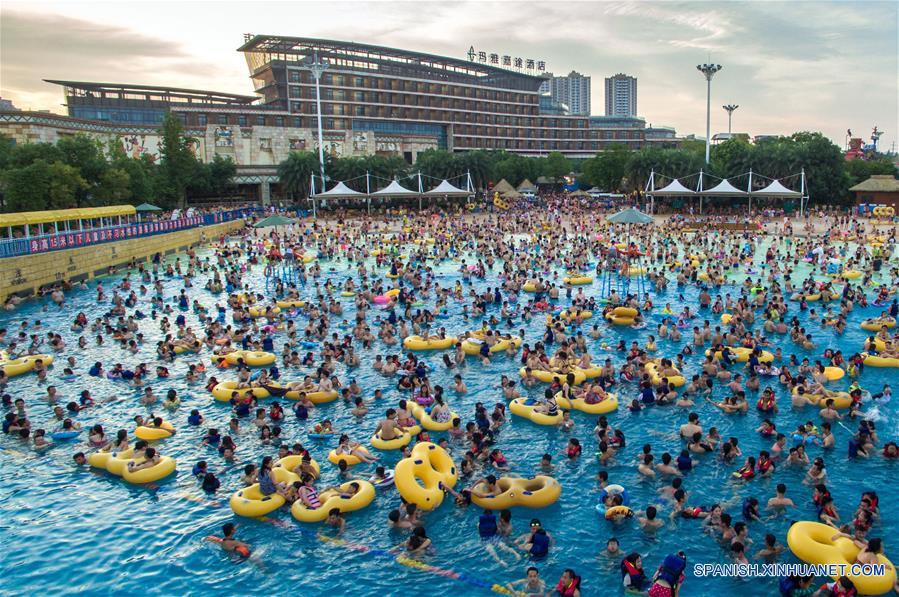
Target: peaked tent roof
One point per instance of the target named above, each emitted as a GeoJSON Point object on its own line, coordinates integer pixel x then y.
{"type": "Point", "coordinates": [673, 188]}
{"type": "Point", "coordinates": [394, 190]}
{"type": "Point", "coordinates": [340, 190]}
{"type": "Point", "coordinates": [527, 185]}
{"type": "Point", "coordinates": [503, 186]}
{"type": "Point", "coordinates": [775, 189]}
{"type": "Point", "coordinates": [445, 188]}
{"type": "Point", "coordinates": [630, 216]}
{"type": "Point", "coordinates": [723, 188]}
{"type": "Point", "coordinates": [884, 183]}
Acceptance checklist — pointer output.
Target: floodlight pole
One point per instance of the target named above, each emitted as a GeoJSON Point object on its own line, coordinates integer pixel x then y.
{"type": "Point", "coordinates": [709, 71]}
{"type": "Point", "coordinates": [729, 108]}
{"type": "Point", "coordinates": [317, 67]}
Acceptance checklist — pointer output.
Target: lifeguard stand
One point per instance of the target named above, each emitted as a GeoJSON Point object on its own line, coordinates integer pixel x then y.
{"type": "Point", "coordinates": [625, 273]}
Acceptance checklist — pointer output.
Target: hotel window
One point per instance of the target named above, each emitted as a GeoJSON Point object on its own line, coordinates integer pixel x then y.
{"type": "Point", "coordinates": [294, 76]}
{"type": "Point", "coordinates": [294, 92]}
{"type": "Point", "coordinates": [358, 96]}
{"type": "Point", "coordinates": [241, 120]}
{"type": "Point", "coordinates": [296, 122]}
{"type": "Point", "coordinates": [360, 110]}
{"type": "Point", "coordinates": [358, 81]}
{"type": "Point", "coordinates": [201, 119]}
{"type": "Point", "coordinates": [279, 121]}
{"type": "Point", "coordinates": [222, 119]}
{"type": "Point", "coordinates": [260, 120]}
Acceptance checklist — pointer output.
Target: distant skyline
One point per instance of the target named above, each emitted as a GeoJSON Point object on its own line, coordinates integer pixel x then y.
{"type": "Point", "coordinates": [791, 66]}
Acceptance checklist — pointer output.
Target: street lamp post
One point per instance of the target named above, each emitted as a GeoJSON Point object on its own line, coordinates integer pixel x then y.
{"type": "Point", "coordinates": [709, 71]}
{"type": "Point", "coordinates": [729, 108]}
{"type": "Point", "coordinates": [318, 67]}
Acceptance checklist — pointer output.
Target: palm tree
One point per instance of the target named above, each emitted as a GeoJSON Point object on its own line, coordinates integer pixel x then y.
{"type": "Point", "coordinates": [295, 173]}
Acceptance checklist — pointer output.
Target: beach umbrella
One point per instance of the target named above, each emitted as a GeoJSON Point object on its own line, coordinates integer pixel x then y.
{"type": "Point", "coordinates": [630, 216]}
{"type": "Point", "coordinates": [273, 221]}
{"type": "Point", "coordinates": [147, 207]}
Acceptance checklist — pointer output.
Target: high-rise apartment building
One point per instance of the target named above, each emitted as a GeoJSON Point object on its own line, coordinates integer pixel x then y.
{"type": "Point", "coordinates": [621, 95]}
{"type": "Point", "coordinates": [573, 90]}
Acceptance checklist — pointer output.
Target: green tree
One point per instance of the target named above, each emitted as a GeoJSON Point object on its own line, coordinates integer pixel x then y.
{"type": "Point", "coordinates": [608, 168]}
{"type": "Point", "coordinates": [861, 170]}
{"type": "Point", "coordinates": [114, 187]}
{"type": "Point", "coordinates": [178, 164]}
{"type": "Point", "coordinates": [556, 166]}
{"type": "Point", "coordinates": [42, 185]}
{"type": "Point", "coordinates": [295, 172]}
{"type": "Point", "coordinates": [222, 171]}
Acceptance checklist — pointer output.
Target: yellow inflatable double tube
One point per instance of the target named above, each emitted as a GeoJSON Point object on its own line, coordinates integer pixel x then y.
{"type": "Point", "coordinates": [539, 492]}
{"type": "Point", "coordinates": [741, 354]}
{"type": "Point", "coordinates": [332, 498]}
{"type": "Point", "coordinates": [813, 543]}
{"type": "Point", "coordinates": [419, 343]}
{"type": "Point", "coordinates": [250, 357]}
{"type": "Point", "coordinates": [607, 405]}
{"type": "Point", "coordinates": [420, 478]}
{"type": "Point", "coordinates": [528, 411]}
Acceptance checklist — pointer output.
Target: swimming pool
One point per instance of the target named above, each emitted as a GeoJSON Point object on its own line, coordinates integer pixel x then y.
{"type": "Point", "coordinates": [68, 530]}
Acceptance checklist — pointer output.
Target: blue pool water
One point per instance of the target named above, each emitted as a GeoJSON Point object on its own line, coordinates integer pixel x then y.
{"type": "Point", "coordinates": [68, 530]}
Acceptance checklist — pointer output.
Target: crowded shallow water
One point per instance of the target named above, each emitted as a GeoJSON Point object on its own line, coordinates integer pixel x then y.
{"type": "Point", "coordinates": [74, 528]}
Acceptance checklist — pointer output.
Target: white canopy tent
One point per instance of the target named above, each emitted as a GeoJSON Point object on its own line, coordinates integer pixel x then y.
{"type": "Point", "coordinates": [725, 189]}
{"type": "Point", "coordinates": [448, 190]}
{"type": "Point", "coordinates": [340, 191]}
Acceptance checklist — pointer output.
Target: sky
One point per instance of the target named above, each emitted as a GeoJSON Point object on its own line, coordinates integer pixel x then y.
{"type": "Point", "coordinates": [790, 66]}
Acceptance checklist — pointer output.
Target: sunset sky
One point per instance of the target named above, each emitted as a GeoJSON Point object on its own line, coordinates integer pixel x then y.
{"type": "Point", "coordinates": [789, 65]}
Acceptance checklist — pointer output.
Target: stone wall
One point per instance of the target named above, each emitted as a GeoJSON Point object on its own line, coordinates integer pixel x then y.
{"type": "Point", "coordinates": [26, 275]}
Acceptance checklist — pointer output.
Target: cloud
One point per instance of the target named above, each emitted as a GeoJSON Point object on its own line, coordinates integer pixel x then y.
{"type": "Point", "coordinates": [46, 46]}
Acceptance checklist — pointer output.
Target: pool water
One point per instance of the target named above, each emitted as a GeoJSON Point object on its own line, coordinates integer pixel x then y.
{"type": "Point", "coordinates": [71, 530]}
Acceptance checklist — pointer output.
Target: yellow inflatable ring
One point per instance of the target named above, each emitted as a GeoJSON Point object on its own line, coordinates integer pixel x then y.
{"type": "Point", "coordinates": [813, 543]}
{"type": "Point", "coordinates": [472, 346]}
{"type": "Point", "coordinates": [104, 459]}
{"type": "Point", "coordinates": [261, 311]}
{"type": "Point", "coordinates": [567, 316]}
{"type": "Point", "coordinates": [577, 280]}
{"type": "Point", "coordinates": [840, 399]}
{"type": "Point", "coordinates": [419, 412]}
{"type": "Point", "coordinates": [624, 312]}
{"type": "Point", "coordinates": [874, 325]}
{"type": "Point", "coordinates": [351, 460]}
{"type": "Point", "coordinates": [421, 477]}
{"type": "Point", "coordinates": [618, 320]}
{"type": "Point", "coordinates": [250, 501]}
{"type": "Point", "coordinates": [741, 354]}
{"type": "Point", "coordinates": [223, 390]}
{"type": "Point", "coordinates": [154, 433]}
{"type": "Point", "coordinates": [549, 376]}
{"type": "Point", "coordinates": [400, 441]}
{"type": "Point", "coordinates": [618, 511]}
{"type": "Point", "coordinates": [590, 372]}
{"type": "Point", "coordinates": [289, 463]}
{"type": "Point", "coordinates": [528, 411]}
{"type": "Point", "coordinates": [607, 405]}
{"type": "Point", "coordinates": [656, 378]}
{"type": "Point", "coordinates": [419, 343]}
{"type": "Point", "coordinates": [25, 364]}
{"type": "Point", "coordinates": [726, 318]}
{"type": "Point", "coordinates": [331, 499]}
{"type": "Point", "coordinates": [876, 361]}
{"type": "Point", "coordinates": [539, 492]}
{"type": "Point", "coordinates": [347, 293]}
{"type": "Point", "coordinates": [834, 373]}
{"type": "Point", "coordinates": [292, 304]}
{"type": "Point", "coordinates": [162, 469]}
